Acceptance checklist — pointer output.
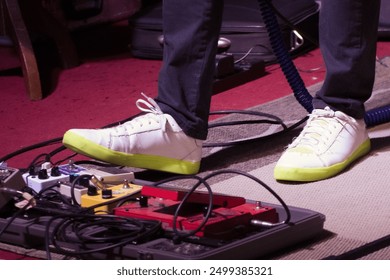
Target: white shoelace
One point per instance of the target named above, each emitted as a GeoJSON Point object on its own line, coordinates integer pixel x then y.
{"type": "Point", "coordinates": [316, 132]}
{"type": "Point", "coordinates": [153, 111]}
{"type": "Point", "coordinates": [151, 105]}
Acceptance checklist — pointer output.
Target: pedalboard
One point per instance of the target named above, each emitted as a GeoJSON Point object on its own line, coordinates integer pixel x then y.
{"type": "Point", "coordinates": [31, 231]}
{"type": "Point", "coordinates": [196, 225]}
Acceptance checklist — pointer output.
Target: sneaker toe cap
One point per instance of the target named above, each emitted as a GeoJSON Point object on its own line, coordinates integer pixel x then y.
{"type": "Point", "coordinates": [85, 134]}
{"type": "Point", "coordinates": [299, 159]}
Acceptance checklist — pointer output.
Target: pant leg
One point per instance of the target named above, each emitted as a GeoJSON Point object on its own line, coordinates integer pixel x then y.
{"type": "Point", "coordinates": [348, 36]}
{"type": "Point", "coordinates": [191, 31]}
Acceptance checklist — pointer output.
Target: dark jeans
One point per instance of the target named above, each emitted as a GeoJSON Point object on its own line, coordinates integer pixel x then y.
{"type": "Point", "coordinates": [348, 35]}
{"type": "Point", "coordinates": [348, 30]}
{"type": "Point", "coordinates": [191, 31]}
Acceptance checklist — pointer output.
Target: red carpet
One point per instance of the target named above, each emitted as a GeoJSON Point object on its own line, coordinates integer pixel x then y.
{"type": "Point", "coordinates": [6, 255]}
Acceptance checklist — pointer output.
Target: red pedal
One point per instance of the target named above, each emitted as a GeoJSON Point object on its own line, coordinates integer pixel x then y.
{"type": "Point", "coordinates": [231, 215]}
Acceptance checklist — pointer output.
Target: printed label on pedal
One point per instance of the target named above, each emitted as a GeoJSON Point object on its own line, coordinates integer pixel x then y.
{"type": "Point", "coordinates": [70, 169]}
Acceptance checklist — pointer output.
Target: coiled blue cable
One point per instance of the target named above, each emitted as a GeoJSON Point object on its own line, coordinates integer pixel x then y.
{"type": "Point", "coordinates": [377, 116]}
{"type": "Point", "coordinates": [283, 57]}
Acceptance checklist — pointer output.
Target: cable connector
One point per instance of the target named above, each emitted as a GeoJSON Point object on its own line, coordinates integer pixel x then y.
{"type": "Point", "coordinates": [99, 184]}
{"type": "Point", "coordinates": [28, 199]}
{"type": "Point", "coordinates": [46, 165]}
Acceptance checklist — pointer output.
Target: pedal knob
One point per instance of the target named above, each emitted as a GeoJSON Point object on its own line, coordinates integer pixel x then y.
{"type": "Point", "coordinates": [84, 181]}
{"type": "Point", "coordinates": [92, 191]}
{"type": "Point", "coordinates": [55, 171]}
{"type": "Point", "coordinates": [32, 171]}
{"type": "Point", "coordinates": [106, 194]}
{"type": "Point", "coordinates": [42, 174]}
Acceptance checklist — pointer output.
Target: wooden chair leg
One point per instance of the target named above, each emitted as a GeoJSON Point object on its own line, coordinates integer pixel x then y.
{"type": "Point", "coordinates": [25, 49]}
{"type": "Point", "coordinates": [40, 21]}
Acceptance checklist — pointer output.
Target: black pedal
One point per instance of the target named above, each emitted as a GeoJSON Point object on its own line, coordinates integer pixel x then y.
{"type": "Point", "coordinates": [11, 181]}
{"type": "Point", "coordinates": [224, 65]}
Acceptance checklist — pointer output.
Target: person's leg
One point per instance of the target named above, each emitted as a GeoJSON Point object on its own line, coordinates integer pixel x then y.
{"type": "Point", "coordinates": [348, 35]}
{"type": "Point", "coordinates": [169, 137]}
{"type": "Point", "coordinates": [335, 134]}
{"type": "Point", "coordinates": [191, 32]}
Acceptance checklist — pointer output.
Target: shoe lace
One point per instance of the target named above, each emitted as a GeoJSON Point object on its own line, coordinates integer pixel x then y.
{"type": "Point", "coordinates": [154, 113]}
{"type": "Point", "coordinates": [151, 105]}
{"type": "Point", "coordinates": [318, 130]}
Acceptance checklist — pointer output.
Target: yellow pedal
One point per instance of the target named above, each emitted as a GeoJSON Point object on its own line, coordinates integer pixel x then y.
{"type": "Point", "coordinates": [109, 198]}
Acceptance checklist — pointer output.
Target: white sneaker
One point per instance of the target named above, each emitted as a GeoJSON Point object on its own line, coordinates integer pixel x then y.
{"type": "Point", "coordinates": [151, 141]}
{"type": "Point", "coordinates": [328, 143]}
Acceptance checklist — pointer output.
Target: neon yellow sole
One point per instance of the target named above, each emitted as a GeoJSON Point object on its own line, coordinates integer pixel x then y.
{"type": "Point", "coordinates": [85, 147]}
{"type": "Point", "coordinates": [282, 173]}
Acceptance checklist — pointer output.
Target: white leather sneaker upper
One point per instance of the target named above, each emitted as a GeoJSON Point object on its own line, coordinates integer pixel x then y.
{"type": "Point", "coordinates": [154, 136]}
{"type": "Point", "coordinates": [327, 144]}
{"type": "Point", "coordinates": [329, 137]}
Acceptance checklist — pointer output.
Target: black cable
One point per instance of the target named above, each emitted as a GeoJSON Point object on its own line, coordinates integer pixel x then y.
{"type": "Point", "coordinates": [276, 120]}
{"type": "Point", "coordinates": [52, 194]}
{"type": "Point", "coordinates": [180, 235]}
{"type": "Point", "coordinates": [363, 250]}
{"type": "Point", "coordinates": [96, 163]}
{"type": "Point", "coordinates": [73, 186]}
{"type": "Point", "coordinates": [62, 148]}
{"type": "Point", "coordinates": [131, 230]}
{"type": "Point", "coordinates": [269, 189]}
{"type": "Point", "coordinates": [255, 138]}
{"type": "Point", "coordinates": [30, 148]}
{"type": "Point", "coordinates": [35, 160]}
{"type": "Point", "coordinates": [16, 214]}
